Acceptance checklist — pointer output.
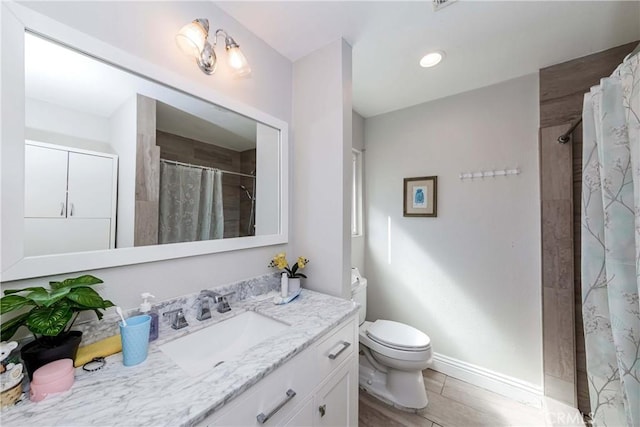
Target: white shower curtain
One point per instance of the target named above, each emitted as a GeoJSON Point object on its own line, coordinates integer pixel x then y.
{"type": "Point", "coordinates": [190, 204]}
{"type": "Point", "coordinates": [611, 245]}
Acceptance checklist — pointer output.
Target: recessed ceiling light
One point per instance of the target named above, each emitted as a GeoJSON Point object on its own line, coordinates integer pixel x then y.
{"type": "Point", "coordinates": [432, 59]}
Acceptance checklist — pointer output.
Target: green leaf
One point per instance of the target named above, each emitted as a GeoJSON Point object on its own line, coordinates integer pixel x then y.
{"type": "Point", "coordinates": [49, 321]}
{"type": "Point", "coordinates": [88, 298]}
{"type": "Point", "coordinates": [86, 280]}
{"type": "Point", "coordinates": [9, 327]}
{"type": "Point", "coordinates": [79, 307]}
{"type": "Point", "coordinates": [46, 298]}
{"type": "Point", "coordinates": [13, 302]}
{"type": "Point", "coordinates": [301, 275]}
{"type": "Point", "coordinates": [54, 308]}
{"type": "Point", "coordinates": [56, 295]}
{"type": "Point", "coordinates": [39, 296]}
{"type": "Point", "coordinates": [15, 291]}
{"type": "Point", "coordinates": [294, 268]}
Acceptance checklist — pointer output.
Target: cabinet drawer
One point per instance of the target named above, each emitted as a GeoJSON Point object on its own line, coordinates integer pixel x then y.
{"type": "Point", "coordinates": [271, 392]}
{"type": "Point", "coordinates": [336, 348]}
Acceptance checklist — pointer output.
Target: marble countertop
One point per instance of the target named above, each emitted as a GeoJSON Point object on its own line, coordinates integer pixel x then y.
{"type": "Point", "coordinates": [159, 393]}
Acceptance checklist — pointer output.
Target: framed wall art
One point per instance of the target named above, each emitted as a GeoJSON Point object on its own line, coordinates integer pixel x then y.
{"type": "Point", "coordinates": [421, 196]}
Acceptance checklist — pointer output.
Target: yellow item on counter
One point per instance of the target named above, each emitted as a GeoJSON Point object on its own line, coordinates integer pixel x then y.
{"type": "Point", "coordinates": [103, 348]}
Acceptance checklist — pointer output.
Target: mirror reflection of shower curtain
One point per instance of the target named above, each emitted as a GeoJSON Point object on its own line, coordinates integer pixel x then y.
{"type": "Point", "coordinates": [190, 204]}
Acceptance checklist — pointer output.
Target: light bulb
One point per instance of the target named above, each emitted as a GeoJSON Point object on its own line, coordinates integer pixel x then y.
{"type": "Point", "coordinates": [431, 59]}
{"type": "Point", "coordinates": [238, 62]}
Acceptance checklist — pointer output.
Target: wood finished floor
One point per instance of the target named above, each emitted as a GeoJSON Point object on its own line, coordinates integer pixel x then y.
{"type": "Point", "coordinates": [452, 403]}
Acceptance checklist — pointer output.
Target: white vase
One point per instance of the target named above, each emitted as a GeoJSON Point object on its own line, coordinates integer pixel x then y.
{"type": "Point", "coordinates": [294, 285]}
{"type": "Point", "coordinates": [284, 285]}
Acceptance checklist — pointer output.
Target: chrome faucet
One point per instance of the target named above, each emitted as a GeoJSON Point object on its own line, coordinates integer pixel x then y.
{"type": "Point", "coordinates": [204, 312]}
{"type": "Point", "coordinates": [221, 300]}
{"type": "Point", "coordinates": [177, 318]}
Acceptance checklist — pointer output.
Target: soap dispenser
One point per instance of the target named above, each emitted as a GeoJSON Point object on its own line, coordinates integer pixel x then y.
{"type": "Point", "coordinates": [145, 308]}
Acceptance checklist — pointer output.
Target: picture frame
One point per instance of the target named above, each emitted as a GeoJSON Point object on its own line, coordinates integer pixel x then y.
{"type": "Point", "coordinates": [421, 197]}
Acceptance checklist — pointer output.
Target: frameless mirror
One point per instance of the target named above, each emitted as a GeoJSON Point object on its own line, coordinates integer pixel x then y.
{"type": "Point", "coordinates": [108, 167]}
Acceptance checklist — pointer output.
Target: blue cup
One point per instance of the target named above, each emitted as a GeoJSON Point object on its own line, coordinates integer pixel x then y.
{"type": "Point", "coordinates": [135, 339]}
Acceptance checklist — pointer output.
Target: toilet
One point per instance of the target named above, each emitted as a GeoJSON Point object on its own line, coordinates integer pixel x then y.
{"type": "Point", "coordinates": [392, 356]}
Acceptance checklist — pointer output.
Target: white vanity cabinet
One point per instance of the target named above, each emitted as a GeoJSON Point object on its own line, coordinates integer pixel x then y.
{"type": "Point", "coordinates": [335, 402]}
{"type": "Point", "coordinates": [70, 199]}
{"type": "Point", "coordinates": [324, 378]}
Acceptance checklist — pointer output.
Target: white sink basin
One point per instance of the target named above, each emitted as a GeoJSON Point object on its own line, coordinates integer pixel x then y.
{"type": "Point", "coordinates": [207, 348]}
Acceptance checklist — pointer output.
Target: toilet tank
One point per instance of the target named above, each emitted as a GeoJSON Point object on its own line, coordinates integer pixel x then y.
{"type": "Point", "coordinates": [359, 295]}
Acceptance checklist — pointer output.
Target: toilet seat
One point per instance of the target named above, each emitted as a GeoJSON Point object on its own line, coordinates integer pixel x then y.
{"type": "Point", "coordinates": [408, 355]}
{"type": "Point", "coordinates": [398, 336]}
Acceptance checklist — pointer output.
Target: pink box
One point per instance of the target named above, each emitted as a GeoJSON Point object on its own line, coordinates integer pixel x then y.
{"type": "Point", "coordinates": [54, 377]}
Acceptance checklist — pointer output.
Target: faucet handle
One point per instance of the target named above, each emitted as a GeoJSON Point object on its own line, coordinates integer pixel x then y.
{"type": "Point", "coordinates": [204, 312]}
{"type": "Point", "coordinates": [178, 321]}
{"type": "Point", "coordinates": [223, 303]}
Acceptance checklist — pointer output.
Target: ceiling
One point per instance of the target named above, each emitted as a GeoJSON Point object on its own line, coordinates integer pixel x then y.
{"type": "Point", "coordinates": [485, 42]}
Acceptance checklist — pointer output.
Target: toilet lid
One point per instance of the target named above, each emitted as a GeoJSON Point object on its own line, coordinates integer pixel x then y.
{"type": "Point", "coordinates": [398, 335]}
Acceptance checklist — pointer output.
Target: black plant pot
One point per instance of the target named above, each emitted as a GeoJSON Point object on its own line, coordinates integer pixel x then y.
{"type": "Point", "coordinates": [38, 353]}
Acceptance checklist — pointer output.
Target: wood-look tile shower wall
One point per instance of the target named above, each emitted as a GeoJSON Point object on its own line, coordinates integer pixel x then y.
{"type": "Point", "coordinates": [562, 89]}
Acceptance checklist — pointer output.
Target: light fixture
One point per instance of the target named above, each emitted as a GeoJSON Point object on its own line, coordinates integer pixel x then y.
{"type": "Point", "coordinates": [432, 59]}
{"type": "Point", "coordinates": [192, 40]}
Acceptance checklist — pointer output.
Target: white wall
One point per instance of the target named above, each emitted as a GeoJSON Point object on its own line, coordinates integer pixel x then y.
{"type": "Point", "coordinates": [321, 160]}
{"type": "Point", "coordinates": [267, 205]}
{"type": "Point", "coordinates": [54, 124]}
{"type": "Point", "coordinates": [357, 242]}
{"type": "Point", "coordinates": [147, 29]}
{"type": "Point", "coordinates": [123, 138]}
{"type": "Point", "coordinates": [469, 278]}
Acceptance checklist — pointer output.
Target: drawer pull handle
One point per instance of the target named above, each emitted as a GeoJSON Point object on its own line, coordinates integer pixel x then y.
{"type": "Point", "coordinates": [61, 208]}
{"type": "Point", "coordinates": [344, 345]}
{"type": "Point", "coordinates": [262, 418]}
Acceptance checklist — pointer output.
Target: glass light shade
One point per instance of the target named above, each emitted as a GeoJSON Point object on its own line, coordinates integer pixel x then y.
{"type": "Point", "coordinates": [238, 62]}
{"type": "Point", "coordinates": [431, 59]}
{"type": "Point", "coordinates": [191, 39]}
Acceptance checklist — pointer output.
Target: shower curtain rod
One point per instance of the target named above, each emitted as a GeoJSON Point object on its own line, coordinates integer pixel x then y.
{"type": "Point", "coordinates": [175, 162]}
{"type": "Point", "coordinates": [565, 137]}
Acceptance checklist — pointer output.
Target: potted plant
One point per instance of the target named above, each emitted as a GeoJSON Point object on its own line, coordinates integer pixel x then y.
{"type": "Point", "coordinates": [293, 275]}
{"type": "Point", "coordinates": [50, 317]}
{"type": "Point", "coordinates": [280, 262]}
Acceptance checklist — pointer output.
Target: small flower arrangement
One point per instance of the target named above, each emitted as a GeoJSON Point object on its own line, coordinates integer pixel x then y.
{"type": "Point", "coordinates": [280, 262]}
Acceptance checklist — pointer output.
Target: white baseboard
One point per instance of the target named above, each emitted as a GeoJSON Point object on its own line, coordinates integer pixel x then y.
{"type": "Point", "coordinates": [504, 385]}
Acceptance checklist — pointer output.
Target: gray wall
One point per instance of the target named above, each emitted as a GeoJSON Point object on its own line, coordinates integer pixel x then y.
{"type": "Point", "coordinates": [469, 278]}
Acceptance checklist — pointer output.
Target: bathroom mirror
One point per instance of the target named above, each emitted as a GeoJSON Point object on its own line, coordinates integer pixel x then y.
{"type": "Point", "coordinates": [112, 167]}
